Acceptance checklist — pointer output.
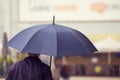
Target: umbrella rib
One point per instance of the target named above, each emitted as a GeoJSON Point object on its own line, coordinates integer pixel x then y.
{"type": "Point", "coordinates": [56, 34]}
{"type": "Point", "coordinates": [32, 37]}
{"type": "Point", "coordinates": [78, 38]}
{"type": "Point", "coordinates": [56, 41]}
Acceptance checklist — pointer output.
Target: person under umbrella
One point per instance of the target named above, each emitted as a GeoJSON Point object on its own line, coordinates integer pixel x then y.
{"type": "Point", "coordinates": [30, 68]}
{"type": "Point", "coordinates": [53, 40]}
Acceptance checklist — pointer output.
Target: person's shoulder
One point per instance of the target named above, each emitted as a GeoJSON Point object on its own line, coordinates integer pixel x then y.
{"type": "Point", "coordinates": [45, 65]}
{"type": "Point", "coordinates": [14, 66]}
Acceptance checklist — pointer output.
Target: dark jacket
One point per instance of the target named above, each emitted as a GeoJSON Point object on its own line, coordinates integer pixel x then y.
{"type": "Point", "coordinates": [30, 68]}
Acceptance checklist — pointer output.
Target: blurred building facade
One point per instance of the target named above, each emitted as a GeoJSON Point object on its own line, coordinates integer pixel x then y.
{"type": "Point", "coordinates": [10, 22]}
{"type": "Point", "coordinates": [95, 65]}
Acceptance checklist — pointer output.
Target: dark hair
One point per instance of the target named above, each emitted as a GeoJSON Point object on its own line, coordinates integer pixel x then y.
{"type": "Point", "coordinates": [33, 54]}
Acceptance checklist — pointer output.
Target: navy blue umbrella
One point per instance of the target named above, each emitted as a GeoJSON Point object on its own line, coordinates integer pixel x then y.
{"type": "Point", "coordinates": [53, 40]}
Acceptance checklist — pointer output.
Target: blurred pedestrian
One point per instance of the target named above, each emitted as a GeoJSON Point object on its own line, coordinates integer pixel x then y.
{"type": "Point", "coordinates": [65, 72]}
{"type": "Point", "coordinates": [30, 68]}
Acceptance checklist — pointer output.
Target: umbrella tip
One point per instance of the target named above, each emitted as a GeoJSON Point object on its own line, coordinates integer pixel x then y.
{"type": "Point", "coordinates": [53, 19]}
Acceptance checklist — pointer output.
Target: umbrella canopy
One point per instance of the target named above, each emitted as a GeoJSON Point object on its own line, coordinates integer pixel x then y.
{"type": "Point", "coordinates": [52, 39]}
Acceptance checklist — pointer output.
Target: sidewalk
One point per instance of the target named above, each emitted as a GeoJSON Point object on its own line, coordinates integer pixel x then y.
{"type": "Point", "coordinates": [90, 78]}
{"type": "Point", "coordinates": [94, 78]}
